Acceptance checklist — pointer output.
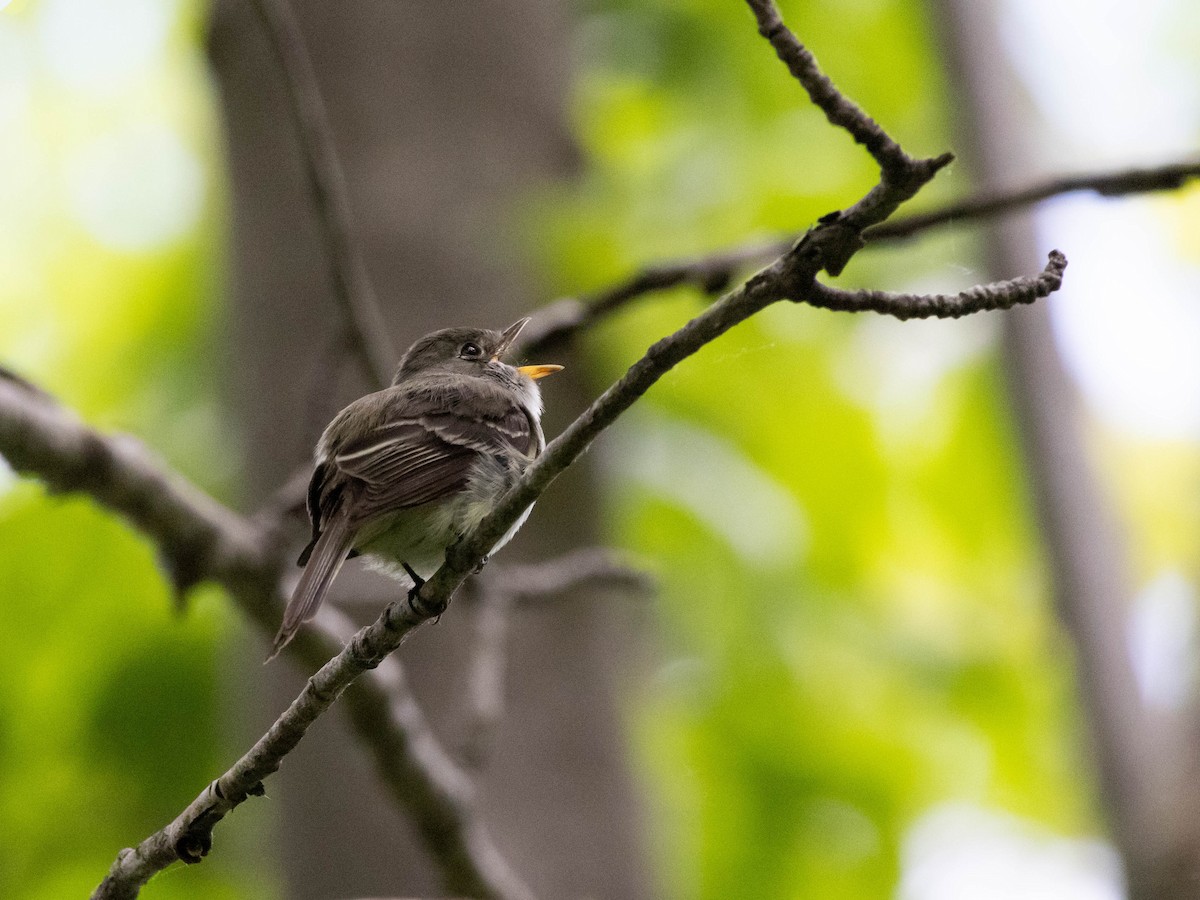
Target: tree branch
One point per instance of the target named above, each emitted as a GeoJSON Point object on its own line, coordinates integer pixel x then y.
{"type": "Point", "coordinates": [998, 295]}
{"type": "Point", "coordinates": [989, 204]}
{"type": "Point", "coordinates": [712, 273]}
{"type": "Point", "coordinates": [500, 593]}
{"type": "Point", "coordinates": [196, 537]}
{"type": "Point", "coordinates": [827, 247]}
{"type": "Point", "coordinates": [367, 331]}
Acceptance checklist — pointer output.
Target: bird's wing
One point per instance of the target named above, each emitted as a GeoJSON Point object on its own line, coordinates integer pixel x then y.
{"type": "Point", "coordinates": [421, 450]}
{"type": "Point", "coordinates": [403, 464]}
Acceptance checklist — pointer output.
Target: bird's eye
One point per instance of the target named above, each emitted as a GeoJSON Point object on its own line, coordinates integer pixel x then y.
{"type": "Point", "coordinates": [470, 351]}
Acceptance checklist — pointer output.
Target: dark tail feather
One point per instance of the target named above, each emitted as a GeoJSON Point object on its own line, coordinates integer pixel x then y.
{"type": "Point", "coordinates": [326, 558]}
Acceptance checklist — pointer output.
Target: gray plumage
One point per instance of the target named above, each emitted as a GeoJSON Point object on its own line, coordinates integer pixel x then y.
{"type": "Point", "coordinates": [404, 472]}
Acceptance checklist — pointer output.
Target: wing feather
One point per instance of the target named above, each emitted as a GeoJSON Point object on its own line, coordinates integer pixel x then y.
{"type": "Point", "coordinates": [420, 445]}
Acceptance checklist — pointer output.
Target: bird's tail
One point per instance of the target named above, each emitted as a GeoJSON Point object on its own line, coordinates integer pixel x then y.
{"type": "Point", "coordinates": [327, 556]}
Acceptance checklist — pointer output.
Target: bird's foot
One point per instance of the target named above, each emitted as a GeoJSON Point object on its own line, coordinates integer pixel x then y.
{"type": "Point", "coordinates": [414, 596]}
{"type": "Point", "coordinates": [417, 580]}
{"type": "Point", "coordinates": [479, 567]}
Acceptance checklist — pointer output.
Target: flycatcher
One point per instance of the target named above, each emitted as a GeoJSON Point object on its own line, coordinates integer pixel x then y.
{"type": "Point", "coordinates": [403, 473]}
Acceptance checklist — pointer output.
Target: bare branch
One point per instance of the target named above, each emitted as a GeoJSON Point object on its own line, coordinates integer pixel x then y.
{"type": "Point", "coordinates": [590, 566]}
{"type": "Point", "coordinates": [901, 175]}
{"type": "Point", "coordinates": [413, 767]}
{"type": "Point", "coordinates": [197, 538]}
{"type": "Point", "coordinates": [422, 777]}
{"type": "Point", "coordinates": [1123, 182]}
{"type": "Point", "coordinates": [713, 272]}
{"type": "Point", "coordinates": [501, 591]}
{"type": "Point", "coordinates": [838, 109]}
{"type": "Point", "coordinates": [364, 322]}
{"type": "Point", "coordinates": [999, 295]}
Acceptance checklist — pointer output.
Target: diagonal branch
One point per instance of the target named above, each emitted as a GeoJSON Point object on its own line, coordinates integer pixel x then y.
{"type": "Point", "coordinates": [838, 109]}
{"type": "Point", "coordinates": [366, 329]}
{"type": "Point", "coordinates": [189, 835]}
{"type": "Point", "coordinates": [826, 247]}
{"type": "Point", "coordinates": [901, 175]}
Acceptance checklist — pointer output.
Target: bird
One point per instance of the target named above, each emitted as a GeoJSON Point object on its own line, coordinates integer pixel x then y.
{"type": "Point", "coordinates": [404, 472]}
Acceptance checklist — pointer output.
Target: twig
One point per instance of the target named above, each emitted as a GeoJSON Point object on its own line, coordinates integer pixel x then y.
{"type": "Point", "coordinates": [412, 766]}
{"type": "Point", "coordinates": [423, 778]}
{"type": "Point", "coordinates": [502, 591]}
{"type": "Point", "coordinates": [901, 175]}
{"type": "Point", "coordinates": [366, 328]}
{"type": "Point", "coordinates": [1001, 295]}
{"type": "Point", "coordinates": [989, 204]}
{"type": "Point", "coordinates": [713, 272]}
{"type": "Point", "coordinates": [591, 566]}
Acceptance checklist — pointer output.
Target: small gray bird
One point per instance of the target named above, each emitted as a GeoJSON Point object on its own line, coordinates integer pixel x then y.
{"type": "Point", "coordinates": [403, 473]}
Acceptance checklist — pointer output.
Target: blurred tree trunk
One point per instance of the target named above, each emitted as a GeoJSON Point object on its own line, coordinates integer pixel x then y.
{"type": "Point", "coordinates": [442, 114]}
{"type": "Point", "coordinates": [1141, 760]}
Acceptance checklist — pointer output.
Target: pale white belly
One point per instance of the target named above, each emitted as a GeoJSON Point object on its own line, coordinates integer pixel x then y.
{"type": "Point", "coordinates": [420, 535]}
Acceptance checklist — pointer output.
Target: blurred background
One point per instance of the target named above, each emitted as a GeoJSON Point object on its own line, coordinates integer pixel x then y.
{"type": "Point", "coordinates": [864, 673]}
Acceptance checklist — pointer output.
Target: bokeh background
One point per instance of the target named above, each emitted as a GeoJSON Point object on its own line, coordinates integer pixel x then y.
{"type": "Point", "coordinates": [851, 682]}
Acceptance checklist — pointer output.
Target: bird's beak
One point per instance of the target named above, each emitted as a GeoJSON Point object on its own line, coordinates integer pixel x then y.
{"type": "Point", "coordinates": [508, 336]}
{"type": "Point", "coordinates": [506, 340]}
{"type": "Point", "coordinates": [536, 372]}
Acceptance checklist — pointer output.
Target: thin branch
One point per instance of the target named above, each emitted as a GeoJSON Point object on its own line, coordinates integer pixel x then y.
{"type": "Point", "coordinates": [591, 566]}
{"type": "Point", "coordinates": [500, 593]}
{"type": "Point", "coordinates": [838, 109]}
{"type": "Point", "coordinates": [367, 330]}
{"type": "Point", "coordinates": [901, 175]}
{"type": "Point", "coordinates": [999, 295]}
{"type": "Point", "coordinates": [423, 778]}
{"type": "Point", "coordinates": [410, 761]}
{"type": "Point", "coordinates": [990, 204]}
{"type": "Point", "coordinates": [712, 273]}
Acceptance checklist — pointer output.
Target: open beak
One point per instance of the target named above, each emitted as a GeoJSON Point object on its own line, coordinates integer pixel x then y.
{"type": "Point", "coordinates": [506, 340]}
{"type": "Point", "coordinates": [536, 372]}
{"type": "Point", "coordinates": [508, 335]}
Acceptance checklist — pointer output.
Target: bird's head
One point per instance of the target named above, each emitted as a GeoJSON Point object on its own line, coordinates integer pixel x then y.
{"type": "Point", "coordinates": [469, 351]}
